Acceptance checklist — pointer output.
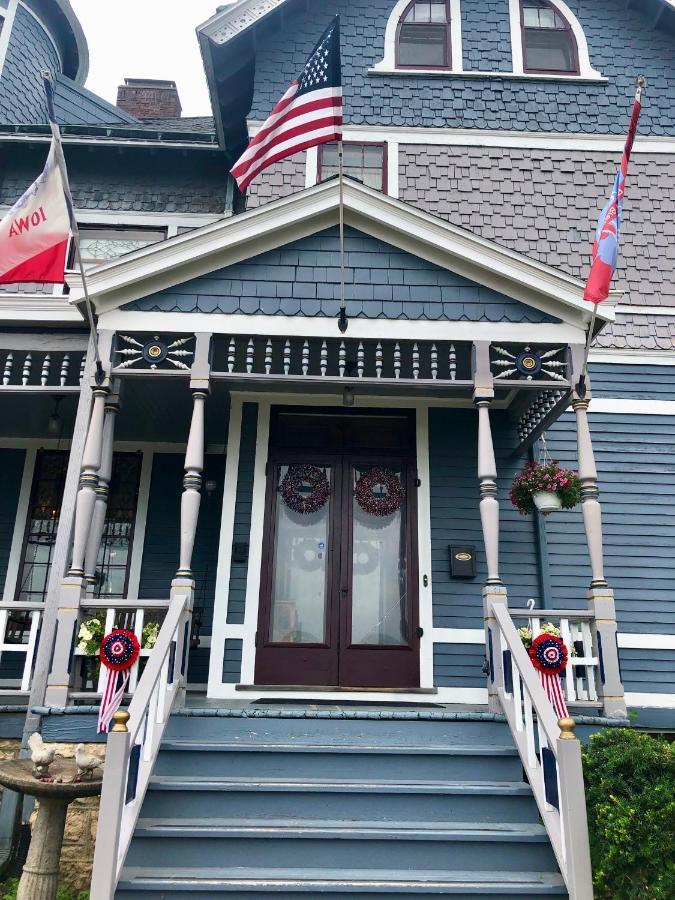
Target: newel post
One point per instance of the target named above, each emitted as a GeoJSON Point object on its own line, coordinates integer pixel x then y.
{"type": "Point", "coordinates": [600, 595]}
{"type": "Point", "coordinates": [494, 591]}
{"type": "Point", "coordinates": [102, 492]}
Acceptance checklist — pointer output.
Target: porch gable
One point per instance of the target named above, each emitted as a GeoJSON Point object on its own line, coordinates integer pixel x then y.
{"type": "Point", "coordinates": [302, 278]}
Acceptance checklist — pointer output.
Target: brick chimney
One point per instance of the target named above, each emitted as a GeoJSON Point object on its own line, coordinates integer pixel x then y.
{"type": "Point", "coordinates": [148, 98]}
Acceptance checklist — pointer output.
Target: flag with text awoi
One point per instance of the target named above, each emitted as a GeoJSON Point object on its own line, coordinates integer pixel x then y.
{"type": "Point", "coordinates": [608, 231]}
{"type": "Point", "coordinates": [34, 233]}
{"type": "Point", "coordinates": [309, 113]}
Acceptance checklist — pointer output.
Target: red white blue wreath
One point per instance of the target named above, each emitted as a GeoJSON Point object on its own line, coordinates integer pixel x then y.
{"type": "Point", "coordinates": [303, 501]}
{"type": "Point", "coordinates": [381, 504]}
{"type": "Point", "coordinates": [119, 651]}
{"type": "Point", "coordinates": [549, 656]}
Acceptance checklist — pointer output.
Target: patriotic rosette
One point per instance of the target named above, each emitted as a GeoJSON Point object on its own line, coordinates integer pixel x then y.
{"type": "Point", "coordinates": [549, 657]}
{"type": "Point", "coordinates": [119, 651]}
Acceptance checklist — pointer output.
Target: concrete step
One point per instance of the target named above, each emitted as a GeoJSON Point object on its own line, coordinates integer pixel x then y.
{"type": "Point", "coordinates": [335, 800]}
{"type": "Point", "coordinates": [258, 883]}
{"type": "Point", "coordinates": [358, 761]}
{"type": "Point", "coordinates": [418, 846]}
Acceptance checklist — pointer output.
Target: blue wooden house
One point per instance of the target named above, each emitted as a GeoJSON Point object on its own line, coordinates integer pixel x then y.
{"type": "Point", "coordinates": [338, 702]}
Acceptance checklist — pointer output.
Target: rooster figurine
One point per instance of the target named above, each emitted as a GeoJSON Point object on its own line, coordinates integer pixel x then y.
{"type": "Point", "coordinates": [86, 763]}
{"type": "Point", "coordinates": [42, 755]}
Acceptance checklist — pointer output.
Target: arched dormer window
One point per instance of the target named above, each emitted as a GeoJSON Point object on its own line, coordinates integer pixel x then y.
{"type": "Point", "coordinates": [423, 39]}
{"type": "Point", "coordinates": [548, 42]}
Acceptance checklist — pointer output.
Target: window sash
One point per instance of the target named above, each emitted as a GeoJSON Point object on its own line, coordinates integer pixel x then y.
{"type": "Point", "coordinates": [550, 48]}
{"type": "Point", "coordinates": [427, 33]}
{"type": "Point", "coordinates": [366, 162]}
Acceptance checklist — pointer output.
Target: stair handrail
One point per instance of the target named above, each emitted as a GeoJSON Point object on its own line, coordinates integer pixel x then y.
{"type": "Point", "coordinates": [550, 753]}
{"type": "Point", "coordinates": [133, 744]}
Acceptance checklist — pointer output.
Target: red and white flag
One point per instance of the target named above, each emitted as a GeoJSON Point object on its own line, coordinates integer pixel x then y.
{"type": "Point", "coordinates": [34, 233]}
{"type": "Point", "coordinates": [309, 113]}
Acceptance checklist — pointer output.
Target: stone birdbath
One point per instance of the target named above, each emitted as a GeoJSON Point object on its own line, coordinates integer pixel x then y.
{"type": "Point", "coordinates": [39, 880]}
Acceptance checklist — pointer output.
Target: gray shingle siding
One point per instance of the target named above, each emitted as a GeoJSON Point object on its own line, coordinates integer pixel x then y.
{"type": "Point", "coordinates": [232, 661]}
{"type": "Point", "coordinates": [281, 179]}
{"type": "Point", "coordinates": [22, 98]}
{"type": "Point", "coordinates": [621, 43]}
{"type": "Point", "coordinates": [648, 671]}
{"type": "Point", "coordinates": [638, 332]}
{"type": "Point", "coordinates": [455, 518]}
{"type": "Point", "coordinates": [486, 36]}
{"type": "Point", "coordinates": [635, 455]}
{"type": "Point", "coordinates": [303, 278]}
{"type": "Point", "coordinates": [545, 203]}
{"type": "Point", "coordinates": [132, 179]}
{"type": "Point", "coordinates": [242, 513]}
{"type": "Point", "coordinates": [11, 471]}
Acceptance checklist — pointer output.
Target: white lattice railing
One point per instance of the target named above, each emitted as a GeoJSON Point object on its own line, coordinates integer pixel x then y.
{"type": "Point", "coordinates": [550, 753]}
{"type": "Point", "coordinates": [19, 634]}
{"type": "Point", "coordinates": [133, 744]}
{"type": "Point", "coordinates": [580, 679]}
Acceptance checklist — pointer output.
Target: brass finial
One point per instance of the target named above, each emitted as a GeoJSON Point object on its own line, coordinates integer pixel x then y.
{"type": "Point", "coordinates": [121, 717]}
{"type": "Point", "coordinates": [566, 727]}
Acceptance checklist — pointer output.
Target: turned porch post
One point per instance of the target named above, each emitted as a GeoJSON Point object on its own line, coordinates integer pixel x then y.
{"type": "Point", "coordinates": [102, 492]}
{"type": "Point", "coordinates": [494, 590]}
{"type": "Point", "coordinates": [600, 595]}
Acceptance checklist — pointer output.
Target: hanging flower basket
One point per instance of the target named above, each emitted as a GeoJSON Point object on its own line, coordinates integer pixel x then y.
{"type": "Point", "coordinates": [382, 503]}
{"type": "Point", "coordinates": [546, 487]}
{"type": "Point", "coordinates": [305, 489]}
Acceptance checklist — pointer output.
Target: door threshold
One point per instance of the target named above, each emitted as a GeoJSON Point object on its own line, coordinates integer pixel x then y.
{"type": "Point", "coordinates": [276, 688]}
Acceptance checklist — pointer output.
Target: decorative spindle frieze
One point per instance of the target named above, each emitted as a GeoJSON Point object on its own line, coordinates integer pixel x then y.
{"type": "Point", "coordinates": [416, 362]}
{"type": "Point", "coordinates": [86, 497]}
{"type": "Point", "coordinates": [452, 361]}
{"type": "Point", "coordinates": [537, 411]}
{"type": "Point", "coordinates": [434, 362]}
{"type": "Point", "coordinates": [268, 357]}
{"type": "Point", "coordinates": [7, 371]}
{"type": "Point", "coordinates": [46, 365]}
{"type": "Point", "coordinates": [528, 363]}
{"type": "Point", "coordinates": [397, 360]}
{"type": "Point", "coordinates": [305, 357]}
{"type": "Point", "coordinates": [378, 360]}
{"type": "Point", "coordinates": [249, 355]}
{"type": "Point", "coordinates": [342, 359]}
{"type": "Point", "coordinates": [27, 366]}
{"type": "Point", "coordinates": [360, 357]}
{"type": "Point", "coordinates": [324, 359]}
{"type": "Point", "coordinates": [231, 355]}
{"type": "Point", "coordinates": [153, 352]}
{"type": "Point", "coordinates": [192, 485]}
{"type": "Point", "coordinates": [287, 356]}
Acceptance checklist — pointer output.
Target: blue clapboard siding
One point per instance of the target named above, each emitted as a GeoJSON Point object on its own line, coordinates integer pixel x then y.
{"type": "Point", "coordinates": [455, 518]}
{"type": "Point", "coordinates": [636, 466]}
{"type": "Point", "coordinates": [648, 671]}
{"type": "Point", "coordinates": [633, 382]}
{"type": "Point", "coordinates": [232, 661]}
{"type": "Point", "coordinates": [242, 512]}
{"type": "Point", "coordinates": [459, 665]}
{"type": "Point", "coordinates": [303, 279]}
{"type": "Point", "coordinates": [162, 541]}
{"type": "Point", "coordinates": [11, 472]}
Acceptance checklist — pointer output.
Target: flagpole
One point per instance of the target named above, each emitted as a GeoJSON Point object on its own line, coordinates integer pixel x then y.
{"type": "Point", "coordinates": [580, 388]}
{"type": "Point", "coordinates": [56, 133]}
{"type": "Point", "coordinates": [342, 321]}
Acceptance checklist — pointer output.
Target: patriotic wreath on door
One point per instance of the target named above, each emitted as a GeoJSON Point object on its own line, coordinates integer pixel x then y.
{"type": "Point", "coordinates": [549, 657]}
{"type": "Point", "coordinates": [305, 489]}
{"type": "Point", "coordinates": [119, 651]}
{"type": "Point", "coordinates": [380, 504]}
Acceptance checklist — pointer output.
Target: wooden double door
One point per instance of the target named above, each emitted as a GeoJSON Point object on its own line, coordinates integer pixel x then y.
{"type": "Point", "coordinates": [338, 600]}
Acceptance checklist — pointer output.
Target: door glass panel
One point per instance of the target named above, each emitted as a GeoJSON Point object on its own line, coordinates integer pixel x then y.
{"type": "Point", "coordinates": [299, 581]}
{"type": "Point", "coordinates": [379, 563]}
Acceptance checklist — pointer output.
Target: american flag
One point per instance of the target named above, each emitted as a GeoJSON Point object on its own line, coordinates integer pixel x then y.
{"type": "Point", "coordinates": [309, 113]}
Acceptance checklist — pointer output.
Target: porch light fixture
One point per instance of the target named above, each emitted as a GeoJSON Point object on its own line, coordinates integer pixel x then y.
{"type": "Point", "coordinates": [55, 421]}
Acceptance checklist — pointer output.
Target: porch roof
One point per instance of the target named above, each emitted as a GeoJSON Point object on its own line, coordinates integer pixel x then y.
{"type": "Point", "coordinates": [238, 238]}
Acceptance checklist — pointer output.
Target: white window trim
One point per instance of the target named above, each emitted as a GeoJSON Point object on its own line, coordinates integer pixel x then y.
{"type": "Point", "coordinates": [388, 62]}
{"type": "Point", "coordinates": [586, 70]}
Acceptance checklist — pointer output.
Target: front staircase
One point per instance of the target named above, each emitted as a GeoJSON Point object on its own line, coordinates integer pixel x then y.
{"type": "Point", "coordinates": [347, 803]}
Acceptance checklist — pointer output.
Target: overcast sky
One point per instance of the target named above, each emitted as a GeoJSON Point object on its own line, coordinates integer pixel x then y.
{"type": "Point", "coordinates": [146, 39]}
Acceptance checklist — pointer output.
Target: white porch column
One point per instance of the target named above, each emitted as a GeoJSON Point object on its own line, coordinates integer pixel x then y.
{"type": "Point", "coordinates": [494, 590]}
{"type": "Point", "coordinates": [192, 484]}
{"type": "Point", "coordinates": [600, 595]}
{"type": "Point", "coordinates": [102, 493]}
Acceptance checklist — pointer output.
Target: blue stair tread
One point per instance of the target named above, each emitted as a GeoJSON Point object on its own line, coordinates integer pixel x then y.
{"type": "Point", "coordinates": [323, 881]}
{"type": "Point", "coordinates": [315, 747]}
{"type": "Point", "coordinates": [378, 786]}
{"type": "Point", "coordinates": [318, 829]}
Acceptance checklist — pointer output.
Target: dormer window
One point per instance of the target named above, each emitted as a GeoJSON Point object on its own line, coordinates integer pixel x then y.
{"type": "Point", "coordinates": [548, 42]}
{"type": "Point", "coordinates": [423, 39]}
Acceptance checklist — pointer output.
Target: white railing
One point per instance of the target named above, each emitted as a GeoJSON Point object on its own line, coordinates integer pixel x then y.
{"type": "Point", "coordinates": [550, 753]}
{"type": "Point", "coordinates": [20, 631]}
{"type": "Point", "coordinates": [580, 681]}
{"type": "Point", "coordinates": [133, 744]}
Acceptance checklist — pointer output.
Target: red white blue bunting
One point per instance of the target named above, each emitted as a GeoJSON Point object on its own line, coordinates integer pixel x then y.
{"type": "Point", "coordinates": [119, 651]}
{"type": "Point", "coordinates": [549, 657]}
